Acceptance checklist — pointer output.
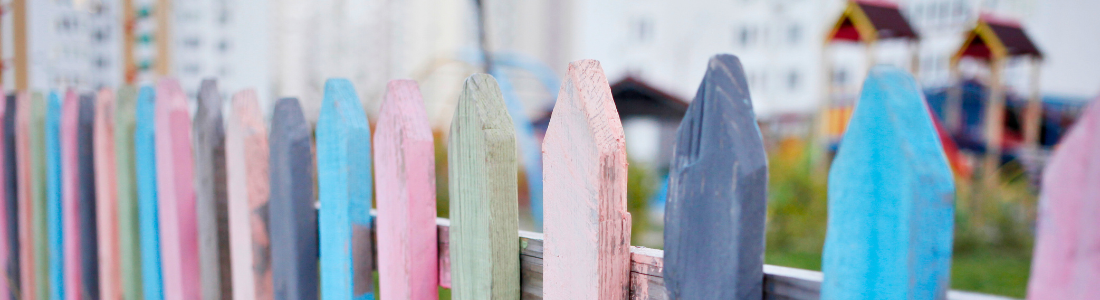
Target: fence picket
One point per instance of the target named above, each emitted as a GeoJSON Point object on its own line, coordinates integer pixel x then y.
{"type": "Point", "coordinates": [110, 285]}
{"type": "Point", "coordinates": [89, 252]}
{"type": "Point", "coordinates": [292, 217]}
{"type": "Point", "coordinates": [246, 155]}
{"type": "Point", "coordinates": [129, 250]}
{"type": "Point", "coordinates": [891, 199]}
{"type": "Point", "coordinates": [9, 262]}
{"type": "Point", "coordinates": [1069, 216]}
{"type": "Point", "coordinates": [404, 163]}
{"type": "Point", "coordinates": [484, 211]}
{"type": "Point", "coordinates": [210, 194]}
{"type": "Point", "coordinates": [176, 194]}
{"type": "Point", "coordinates": [714, 233]}
{"type": "Point", "coordinates": [61, 184]}
{"type": "Point", "coordinates": [586, 223]}
{"type": "Point", "coordinates": [145, 174]}
{"type": "Point", "coordinates": [344, 182]}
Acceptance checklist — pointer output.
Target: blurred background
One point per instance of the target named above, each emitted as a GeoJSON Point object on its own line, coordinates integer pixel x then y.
{"type": "Point", "coordinates": [1004, 78]}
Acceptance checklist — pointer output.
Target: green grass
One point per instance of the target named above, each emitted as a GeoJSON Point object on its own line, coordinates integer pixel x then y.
{"type": "Point", "coordinates": [987, 271]}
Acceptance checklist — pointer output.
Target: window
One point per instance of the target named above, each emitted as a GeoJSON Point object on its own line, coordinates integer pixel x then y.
{"type": "Point", "coordinates": [794, 34]}
{"type": "Point", "coordinates": [793, 80]}
{"type": "Point", "coordinates": [643, 30]}
{"type": "Point", "coordinates": [840, 77]}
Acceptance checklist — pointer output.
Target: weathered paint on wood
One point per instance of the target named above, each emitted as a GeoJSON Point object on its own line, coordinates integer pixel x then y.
{"type": "Point", "coordinates": [714, 219]}
{"type": "Point", "coordinates": [344, 183]}
{"type": "Point", "coordinates": [293, 219]}
{"type": "Point", "coordinates": [145, 181]}
{"type": "Point", "coordinates": [484, 254]}
{"type": "Point", "coordinates": [587, 225]}
{"type": "Point", "coordinates": [38, 178]}
{"type": "Point", "coordinates": [1065, 262]}
{"type": "Point", "coordinates": [89, 239]}
{"type": "Point", "coordinates": [891, 199]}
{"type": "Point", "coordinates": [246, 155]}
{"type": "Point", "coordinates": [103, 135]}
{"type": "Point", "coordinates": [9, 263]}
{"type": "Point", "coordinates": [176, 194]}
{"type": "Point", "coordinates": [404, 161]}
{"type": "Point", "coordinates": [58, 187]}
{"type": "Point", "coordinates": [25, 192]}
{"type": "Point", "coordinates": [129, 237]}
{"type": "Point", "coordinates": [210, 194]}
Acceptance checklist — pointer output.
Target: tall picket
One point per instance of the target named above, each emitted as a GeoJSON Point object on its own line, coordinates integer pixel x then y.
{"type": "Point", "coordinates": [1065, 260]}
{"type": "Point", "coordinates": [483, 194]}
{"type": "Point", "coordinates": [714, 233]}
{"type": "Point", "coordinates": [59, 187]}
{"type": "Point", "coordinates": [344, 183]}
{"type": "Point", "coordinates": [176, 194]}
{"type": "Point", "coordinates": [89, 252]}
{"type": "Point", "coordinates": [210, 194]}
{"type": "Point", "coordinates": [9, 262]}
{"type": "Point", "coordinates": [110, 284]}
{"type": "Point", "coordinates": [587, 227]}
{"type": "Point", "coordinates": [129, 238]}
{"type": "Point", "coordinates": [891, 199]}
{"type": "Point", "coordinates": [293, 219]}
{"type": "Point", "coordinates": [25, 192]}
{"type": "Point", "coordinates": [404, 166]}
{"type": "Point", "coordinates": [145, 174]}
{"type": "Point", "coordinates": [39, 198]}
{"type": "Point", "coordinates": [246, 156]}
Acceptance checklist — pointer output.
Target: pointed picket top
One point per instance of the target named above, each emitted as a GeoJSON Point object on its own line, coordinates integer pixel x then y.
{"type": "Point", "coordinates": [714, 233]}
{"type": "Point", "coordinates": [587, 227]}
{"type": "Point", "coordinates": [210, 193]}
{"type": "Point", "coordinates": [129, 239]}
{"type": "Point", "coordinates": [1069, 216]}
{"type": "Point", "coordinates": [89, 246]}
{"type": "Point", "coordinates": [483, 191]}
{"type": "Point", "coordinates": [404, 165]}
{"type": "Point", "coordinates": [176, 194]}
{"type": "Point", "coordinates": [110, 284]}
{"type": "Point", "coordinates": [145, 182]}
{"type": "Point", "coordinates": [25, 193]}
{"type": "Point", "coordinates": [60, 187]}
{"type": "Point", "coordinates": [344, 183]}
{"type": "Point", "coordinates": [9, 262]}
{"type": "Point", "coordinates": [293, 219]}
{"type": "Point", "coordinates": [891, 199]}
{"type": "Point", "coordinates": [246, 155]}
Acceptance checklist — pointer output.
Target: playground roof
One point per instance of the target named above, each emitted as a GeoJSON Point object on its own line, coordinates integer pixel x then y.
{"type": "Point", "coordinates": [869, 21]}
{"type": "Point", "coordinates": [997, 38]}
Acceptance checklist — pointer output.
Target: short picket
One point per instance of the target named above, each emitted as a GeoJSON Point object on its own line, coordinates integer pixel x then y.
{"type": "Point", "coordinates": [246, 156]}
{"type": "Point", "coordinates": [129, 250]}
{"type": "Point", "coordinates": [110, 284]}
{"type": "Point", "coordinates": [61, 186]}
{"type": "Point", "coordinates": [293, 219]}
{"type": "Point", "coordinates": [404, 166]}
{"type": "Point", "coordinates": [9, 226]}
{"type": "Point", "coordinates": [714, 233]}
{"type": "Point", "coordinates": [176, 194]}
{"type": "Point", "coordinates": [89, 248]}
{"type": "Point", "coordinates": [484, 254]}
{"type": "Point", "coordinates": [208, 138]}
{"type": "Point", "coordinates": [26, 191]}
{"type": "Point", "coordinates": [586, 223]}
{"type": "Point", "coordinates": [145, 174]}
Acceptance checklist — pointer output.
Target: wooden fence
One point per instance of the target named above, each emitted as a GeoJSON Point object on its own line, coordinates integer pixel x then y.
{"type": "Point", "coordinates": [126, 196]}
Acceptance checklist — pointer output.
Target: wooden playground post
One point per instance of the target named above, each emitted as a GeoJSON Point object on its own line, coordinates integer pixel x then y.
{"type": "Point", "coordinates": [994, 122]}
{"type": "Point", "coordinates": [1033, 115]}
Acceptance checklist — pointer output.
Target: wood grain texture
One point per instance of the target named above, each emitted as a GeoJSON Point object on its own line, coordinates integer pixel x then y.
{"type": "Point", "coordinates": [38, 179]}
{"type": "Point", "coordinates": [717, 199]}
{"type": "Point", "coordinates": [9, 263]}
{"type": "Point", "coordinates": [586, 223]}
{"type": "Point", "coordinates": [26, 191]}
{"type": "Point", "coordinates": [61, 186]}
{"type": "Point", "coordinates": [247, 170]}
{"type": "Point", "coordinates": [129, 237]}
{"type": "Point", "coordinates": [176, 194]}
{"type": "Point", "coordinates": [292, 217]}
{"type": "Point", "coordinates": [210, 194]}
{"type": "Point", "coordinates": [89, 240]}
{"type": "Point", "coordinates": [103, 135]}
{"type": "Point", "coordinates": [484, 252]}
{"type": "Point", "coordinates": [404, 163]}
{"type": "Point", "coordinates": [891, 199]}
{"type": "Point", "coordinates": [344, 183]}
{"type": "Point", "coordinates": [145, 175]}
{"type": "Point", "coordinates": [1065, 261]}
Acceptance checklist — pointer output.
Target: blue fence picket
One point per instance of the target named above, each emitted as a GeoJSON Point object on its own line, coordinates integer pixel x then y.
{"type": "Point", "coordinates": [145, 170]}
